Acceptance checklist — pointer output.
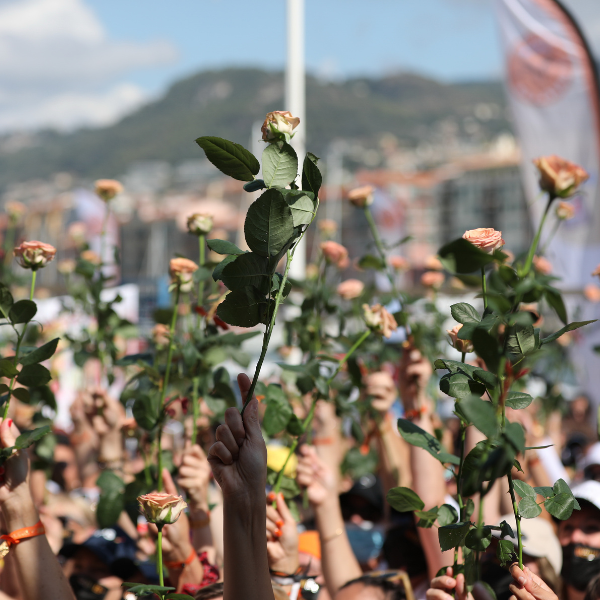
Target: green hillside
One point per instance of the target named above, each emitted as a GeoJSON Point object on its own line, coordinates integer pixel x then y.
{"type": "Point", "coordinates": [227, 102]}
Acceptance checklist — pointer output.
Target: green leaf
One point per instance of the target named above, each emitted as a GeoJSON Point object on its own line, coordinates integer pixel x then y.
{"type": "Point", "coordinates": [34, 375]}
{"type": "Point", "coordinates": [506, 530]}
{"type": "Point", "coordinates": [470, 508]}
{"type": "Point", "coordinates": [464, 313]}
{"type": "Point", "coordinates": [301, 205]}
{"type": "Point", "coordinates": [524, 489]}
{"type": "Point", "coordinates": [22, 311]}
{"type": "Point", "coordinates": [110, 506]}
{"type": "Point", "coordinates": [230, 158]}
{"type": "Point", "coordinates": [254, 186]}
{"type": "Point", "coordinates": [22, 394]}
{"type": "Point", "coordinates": [454, 366]}
{"type": "Point", "coordinates": [109, 481]}
{"type": "Point", "coordinates": [479, 540]}
{"type": "Point", "coordinates": [42, 353]}
{"type": "Point", "coordinates": [294, 426]}
{"type": "Point", "coordinates": [486, 348]}
{"type": "Point", "coordinates": [218, 270]}
{"type": "Point", "coordinates": [146, 411]}
{"type": "Point", "coordinates": [178, 597]}
{"type": "Point", "coordinates": [223, 247]}
{"type": "Point", "coordinates": [426, 518]}
{"type": "Point", "coordinates": [311, 176]}
{"type": "Point", "coordinates": [403, 499]}
{"type": "Point", "coordinates": [368, 261]}
{"type": "Point", "coordinates": [277, 413]}
{"type": "Point", "coordinates": [280, 165]}
{"type": "Point", "coordinates": [416, 436]}
{"type": "Point", "coordinates": [528, 508]}
{"type": "Point", "coordinates": [269, 224]}
{"type": "Point", "coordinates": [526, 339]}
{"type": "Point", "coordinates": [7, 368]}
{"type": "Point", "coordinates": [518, 400]}
{"type": "Point", "coordinates": [488, 379]}
{"type": "Point", "coordinates": [514, 433]}
{"type": "Point", "coordinates": [247, 269]}
{"type": "Point", "coordinates": [560, 506]}
{"type": "Point", "coordinates": [505, 551]}
{"type": "Point", "coordinates": [562, 487]}
{"type": "Point", "coordinates": [459, 385]}
{"type": "Point", "coordinates": [544, 490]}
{"type": "Point", "coordinates": [245, 307]}
{"type": "Point", "coordinates": [447, 515]}
{"type": "Point", "coordinates": [555, 300]}
{"type": "Point", "coordinates": [452, 536]}
{"type": "Point", "coordinates": [569, 327]}
{"type": "Point", "coordinates": [142, 589]}
{"type": "Point", "coordinates": [463, 257]}
{"type": "Point", "coordinates": [6, 299]}
{"type": "Point", "coordinates": [481, 413]}
{"type": "Point", "coordinates": [30, 437]}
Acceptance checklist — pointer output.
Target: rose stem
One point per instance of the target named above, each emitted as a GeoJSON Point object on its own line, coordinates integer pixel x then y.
{"type": "Point", "coordinates": [103, 234]}
{"type": "Point", "coordinates": [484, 288]}
{"type": "Point", "coordinates": [201, 283]}
{"type": "Point", "coordinates": [195, 410]}
{"type": "Point", "coordinates": [166, 382]}
{"type": "Point", "coordinates": [33, 277]}
{"type": "Point", "coordinates": [10, 242]}
{"type": "Point", "coordinates": [196, 380]}
{"type": "Point", "coordinates": [159, 556]}
{"type": "Point", "coordinates": [536, 239]}
{"type": "Point", "coordinates": [511, 488]}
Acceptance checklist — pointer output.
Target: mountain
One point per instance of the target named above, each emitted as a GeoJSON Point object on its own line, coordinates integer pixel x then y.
{"type": "Point", "coordinates": [227, 102]}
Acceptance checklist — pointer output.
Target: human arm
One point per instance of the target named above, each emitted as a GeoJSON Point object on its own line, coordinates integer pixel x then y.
{"type": "Point", "coordinates": [528, 586]}
{"type": "Point", "coordinates": [282, 537]}
{"type": "Point", "coordinates": [239, 463]}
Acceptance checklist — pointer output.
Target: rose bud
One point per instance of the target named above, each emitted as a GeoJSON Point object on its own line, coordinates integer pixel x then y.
{"type": "Point", "coordinates": [335, 254]}
{"type": "Point", "coordinates": [432, 263]}
{"type": "Point", "coordinates": [34, 255]}
{"type": "Point", "coordinates": [399, 263]}
{"type": "Point", "coordinates": [66, 267]}
{"type": "Point", "coordinates": [350, 289]}
{"type": "Point", "coordinates": [327, 227]}
{"type": "Point", "coordinates": [559, 177]}
{"type": "Point", "coordinates": [565, 211]}
{"type": "Point", "coordinates": [277, 124]}
{"type": "Point", "coordinates": [542, 265]}
{"type": "Point", "coordinates": [161, 335]}
{"type": "Point", "coordinates": [432, 279]}
{"type": "Point", "coordinates": [161, 508]}
{"type": "Point", "coordinates": [596, 272]}
{"type": "Point", "coordinates": [199, 224]}
{"type": "Point", "coordinates": [379, 320]}
{"type": "Point", "coordinates": [460, 345]}
{"type": "Point", "coordinates": [592, 292]}
{"type": "Point", "coordinates": [362, 196]}
{"type": "Point", "coordinates": [107, 189]}
{"type": "Point", "coordinates": [181, 271]}
{"type": "Point", "coordinates": [485, 238]}
{"type": "Point", "coordinates": [15, 210]}
{"type": "Point", "coordinates": [91, 257]}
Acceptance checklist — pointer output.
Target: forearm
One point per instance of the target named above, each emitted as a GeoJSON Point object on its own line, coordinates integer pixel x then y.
{"type": "Point", "coordinates": [338, 559]}
{"type": "Point", "coordinates": [245, 540]}
{"type": "Point", "coordinates": [202, 538]}
{"type": "Point", "coordinates": [395, 456]}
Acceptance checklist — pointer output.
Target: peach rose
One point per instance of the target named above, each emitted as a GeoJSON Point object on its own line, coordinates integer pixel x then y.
{"type": "Point", "coordinates": [77, 232]}
{"type": "Point", "coordinates": [277, 124]}
{"type": "Point", "coordinates": [559, 177]}
{"type": "Point", "coordinates": [542, 265]}
{"type": "Point", "coordinates": [399, 263]}
{"type": "Point", "coordinates": [565, 211]}
{"type": "Point", "coordinates": [181, 271]}
{"type": "Point", "coordinates": [432, 263]}
{"type": "Point", "coordinates": [485, 238]}
{"type": "Point", "coordinates": [107, 189]}
{"type": "Point", "coordinates": [161, 335]}
{"type": "Point", "coordinates": [460, 345]}
{"type": "Point", "coordinates": [34, 255]}
{"type": "Point", "coordinates": [362, 196]}
{"type": "Point", "coordinates": [379, 320]}
{"type": "Point", "coordinates": [91, 257]}
{"type": "Point", "coordinates": [350, 289]}
{"type": "Point", "coordinates": [312, 271]}
{"type": "Point", "coordinates": [592, 292]}
{"type": "Point", "coordinates": [15, 210]}
{"type": "Point", "coordinates": [161, 508]}
{"type": "Point", "coordinates": [327, 227]}
{"type": "Point", "coordinates": [596, 272]}
{"type": "Point", "coordinates": [335, 254]}
{"type": "Point", "coordinates": [199, 224]}
{"type": "Point", "coordinates": [67, 266]}
{"type": "Point", "coordinates": [432, 279]}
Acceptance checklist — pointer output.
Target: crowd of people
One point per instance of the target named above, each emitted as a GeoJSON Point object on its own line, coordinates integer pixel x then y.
{"type": "Point", "coordinates": [336, 540]}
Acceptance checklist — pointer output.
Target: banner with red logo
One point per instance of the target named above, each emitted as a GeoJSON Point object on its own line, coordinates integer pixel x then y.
{"type": "Point", "coordinates": [552, 87]}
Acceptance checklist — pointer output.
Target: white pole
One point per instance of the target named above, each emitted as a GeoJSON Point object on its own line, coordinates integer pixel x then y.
{"type": "Point", "coordinates": [295, 95]}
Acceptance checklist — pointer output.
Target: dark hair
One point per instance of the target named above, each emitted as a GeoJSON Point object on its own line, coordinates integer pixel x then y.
{"type": "Point", "coordinates": [402, 549]}
{"type": "Point", "coordinates": [392, 587]}
{"type": "Point", "coordinates": [592, 591]}
{"type": "Point", "coordinates": [209, 592]}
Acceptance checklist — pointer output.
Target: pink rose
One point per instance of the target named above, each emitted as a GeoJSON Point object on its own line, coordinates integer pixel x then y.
{"type": "Point", "coordinates": [182, 271]}
{"type": "Point", "coordinates": [485, 238]}
{"type": "Point", "coordinates": [350, 289]}
{"type": "Point", "coordinates": [362, 196]}
{"type": "Point", "coordinates": [161, 508]}
{"type": "Point", "coordinates": [399, 263]}
{"type": "Point", "coordinates": [432, 263]}
{"type": "Point", "coordinates": [34, 255]}
{"type": "Point", "coordinates": [592, 292]}
{"type": "Point", "coordinates": [559, 177]}
{"type": "Point", "coordinates": [379, 320]}
{"type": "Point", "coordinates": [91, 257]}
{"type": "Point", "coordinates": [67, 266]}
{"type": "Point", "coordinates": [542, 265]}
{"type": "Point", "coordinates": [432, 279]}
{"type": "Point", "coordinates": [107, 189]}
{"type": "Point", "coordinates": [327, 227]}
{"type": "Point", "coordinates": [461, 345]}
{"type": "Point", "coordinates": [565, 211]}
{"type": "Point", "coordinates": [335, 254]}
{"type": "Point", "coordinates": [161, 335]}
{"type": "Point", "coordinates": [277, 124]}
{"type": "Point", "coordinates": [77, 232]}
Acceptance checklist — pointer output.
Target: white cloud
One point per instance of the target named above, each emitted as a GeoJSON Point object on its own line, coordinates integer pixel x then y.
{"type": "Point", "coordinates": [59, 68]}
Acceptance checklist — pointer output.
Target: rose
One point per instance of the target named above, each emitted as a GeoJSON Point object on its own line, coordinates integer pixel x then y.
{"type": "Point", "coordinates": [510, 257]}
{"type": "Point", "coordinates": [460, 345]}
{"type": "Point", "coordinates": [399, 263]}
{"type": "Point", "coordinates": [15, 210]}
{"type": "Point", "coordinates": [485, 238]}
{"type": "Point", "coordinates": [107, 189]}
{"type": "Point", "coordinates": [327, 227]}
{"type": "Point", "coordinates": [161, 335]}
{"type": "Point", "coordinates": [199, 224]}
{"type": "Point", "coordinates": [542, 265]}
{"type": "Point", "coordinates": [335, 254]}
{"type": "Point", "coordinates": [565, 211]}
{"type": "Point", "coordinates": [161, 508]}
{"type": "Point", "coordinates": [379, 320]}
{"type": "Point", "coordinates": [277, 124]}
{"type": "Point", "coordinates": [362, 196]}
{"type": "Point", "coordinates": [432, 279]}
{"type": "Point", "coordinates": [91, 257]}
{"type": "Point", "coordinates": [34, 255]}
{"type": "Point", "coordinates": [350, 289]}
{"type": "Point", "coordinates": [432, 263]}
{"type": "Point", "coordinates": [312, 271]}
{"type": "Point", "coordinates": [559, 177]}
{"type": "Point", "coordinates": [181, 271]}
{"type": "Point", "coordinates": [592, 292]}
{"type": "Point", "coordinates": [77, 232]}
{"type": "Point", "coordinates": [67, 266]}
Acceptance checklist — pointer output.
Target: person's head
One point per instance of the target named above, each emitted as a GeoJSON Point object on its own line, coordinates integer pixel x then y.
{"type": "Point", "coordinates": [580, 408]}
{"type": "Point", "coordinates": [402, 549]}
{"type": "Point", "coordinates": [590, 463]}
{"type": "Point", "coordinates": [375, 586]}
{"type": "Point", "coordinates": [65, 472]}
{"type": "Point", "coordinates": [210, 592]}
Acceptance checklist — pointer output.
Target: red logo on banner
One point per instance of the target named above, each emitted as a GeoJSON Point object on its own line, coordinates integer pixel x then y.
{"type": "Point", "coordinates": [539, 72]}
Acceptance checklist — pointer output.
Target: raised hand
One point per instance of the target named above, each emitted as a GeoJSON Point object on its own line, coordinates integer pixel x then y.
{"type": "Point", "coordinates": [528, 586]}
{"type": "Point", "coordinates": [14, 473]}
{"type": "Point", "coordinates": [282, 537]}
{"type": "Point", "coordinates": [194, 476]}
{"type": "Point", "coordinates": [382, 389]}
{"type": "Point", "coordinates": [414, 375]}
{"type": "Point", "coordinates": [314, 475]}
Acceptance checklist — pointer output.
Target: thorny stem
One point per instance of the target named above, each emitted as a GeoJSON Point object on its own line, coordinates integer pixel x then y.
{"type": "Point", "coordinates": [511, 488]}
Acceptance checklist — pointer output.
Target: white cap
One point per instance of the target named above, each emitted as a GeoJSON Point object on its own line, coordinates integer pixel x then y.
{"type": "Point", "coordinates": [589, 491]}
{"type": "Point", "coordinates": [539, 539]}
{"type": "Point", "coordinates": [592, 456]}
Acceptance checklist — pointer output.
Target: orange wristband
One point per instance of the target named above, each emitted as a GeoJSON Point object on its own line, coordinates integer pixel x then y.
{"type": "Point", "coordinates": [181, 565]}
{"type": "Point", "coordinates": [415, 413]}
{"type": "Point", "coordinates": [20, 534]}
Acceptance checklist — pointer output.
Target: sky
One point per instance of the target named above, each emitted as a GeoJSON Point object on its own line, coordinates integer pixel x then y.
{"type": "Point", "coordinates": [72, 63]}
